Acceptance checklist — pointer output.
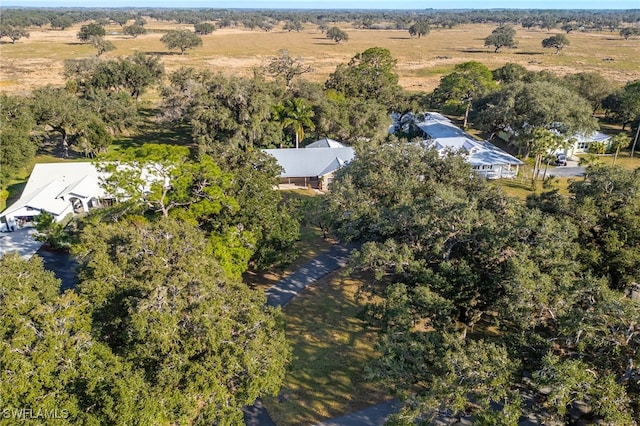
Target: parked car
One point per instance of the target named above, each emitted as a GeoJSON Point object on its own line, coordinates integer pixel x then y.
{"type": "Point", "coordinates": [561, 160]}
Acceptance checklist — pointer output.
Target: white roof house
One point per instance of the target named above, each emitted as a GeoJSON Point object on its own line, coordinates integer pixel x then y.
{"type": "Point", "coordinates": [59, 189]}
{"type": "Point", "coordinates": [484, 157]}
{"type": "Point", "coordinates": [313, 164]}
{"type": "Point", "coordinates": [581, 142]}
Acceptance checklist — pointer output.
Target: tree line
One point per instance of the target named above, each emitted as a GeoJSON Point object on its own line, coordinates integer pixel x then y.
{"type": "Point", "coordinates": [266, 20]}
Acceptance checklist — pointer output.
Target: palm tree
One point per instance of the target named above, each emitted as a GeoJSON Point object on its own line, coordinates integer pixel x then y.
{"type": "Point", "coordinates": [295, 113]}
{"type": "Point", "coordinates": [618, 141]}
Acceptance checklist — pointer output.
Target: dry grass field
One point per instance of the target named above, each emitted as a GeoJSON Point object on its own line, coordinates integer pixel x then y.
{"type": "Point", "coordinates": [39, 59]}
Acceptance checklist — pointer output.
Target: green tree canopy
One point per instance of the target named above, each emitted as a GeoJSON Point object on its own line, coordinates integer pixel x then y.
{"type": "Point", "coordinates": [224, 112]}
{"type": "Point", "coordinates": [294, 25]}
{"type": "Point", "coordinates": [90, 30]}
{"type": "Point", "coordinates": [558, 42]}
{"type": "Point", "coordinates": [61, 21]}
{"type": "Point", "coordinates": [591, 85]}
{"type": "Point", "coordinates": [350, 119]}
{"type": "Point", "coordinates": [204, 28]}
{"type": "Point", "coordinates": [510, 73]}
{"type": "Point", "coordinates": [606, 203]}
{"type": "Point", "coordinates": [134, 74]}
{"type": "Point", "coordinates": [61, 111]}
{"type": "Point", "coordinates": [629, 32]}
{"type": "Point", "coordinates": [207, 345]}
{"type": "Point", "coordinates": [160, 178]}
{"type": "Point", "coordinates": [134, 30]}
{"type": "Point", "coordinates": [17, 147]}
{"type": "Point", "coordinates": [234, 202]}
{"type": "Point", "coordinates": [480, 301]}
{"type": "Point", "coordinates": [468, 81]}
{"type": "Point", "coordinates": [503, 36]}
{"type": "Point", "coordinates": [370, 75]}
{"type": "Point", "coordinates": [520, 108]}
{"type": "Point", "coordinates": [420, 28]}
{"type": "Point", "coordinates": [13, 33]}
{"type": "Point", "coordinates": [336, 34]}
{"type": "Point", "coordinates": [181, 39]}
{"type": "Point", "coordinates": [101, 44]}
{"type": "Point", "coordinates": [51, 361]}
{"type": "Point", "coordinates": [624, 104]}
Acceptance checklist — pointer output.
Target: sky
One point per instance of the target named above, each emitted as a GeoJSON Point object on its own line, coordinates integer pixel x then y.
{"type": "Point", "coordinates": [338, 4]}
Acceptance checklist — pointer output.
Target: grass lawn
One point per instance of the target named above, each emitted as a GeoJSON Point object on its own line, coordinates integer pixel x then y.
{"type": "Point", "coordinates": [331, 347]}
{"type": "Point", "coordinates": [521, 188]}
{"type": "Point", "coordinates": [150, 130]}
{"type": "Point", "coordinates": [623, 160]}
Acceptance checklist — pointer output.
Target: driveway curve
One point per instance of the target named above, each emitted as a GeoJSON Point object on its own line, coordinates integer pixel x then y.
{"type": "Point", "coordinates": [279, 295]}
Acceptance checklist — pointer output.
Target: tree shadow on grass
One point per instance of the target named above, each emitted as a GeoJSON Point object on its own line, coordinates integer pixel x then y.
{"type": "Point", "coordinates": [164, 53]}
{"type": "Point", "coordinates": [331, 347]}
{"type": "Point", "coordinates": [529, 53]}
{"type": "Point", "coordinates": [399, 38]}
{"type": "Point", "coordinates": [156, 132]}
{"type": "Point", "coordinates": [473, 50]}
{"type": "Point", "coordinates": [327, 44]}
{"type": "Point", "coordinates": [15, 190]}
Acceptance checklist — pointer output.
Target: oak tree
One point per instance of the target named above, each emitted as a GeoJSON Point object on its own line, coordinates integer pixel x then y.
{"type": "Point", "coordinates": [181, 39]}
{"type": "Point", "coordinates": [205, 344]}
{"type": "Point", "coordinates": [502, 36]}
{"type": "Point", "coordinates": [558, 42]}
{"type": "Point", "coordinates": [90, 30]}
{"type": "Point", "coordinates": [420, 28]}
{"type": "Point", "coordinates": [337, 35]}
{"type": "Point", "coordinates": [468, 81]}
{"type": "Point", "coordinates": [134, 30]}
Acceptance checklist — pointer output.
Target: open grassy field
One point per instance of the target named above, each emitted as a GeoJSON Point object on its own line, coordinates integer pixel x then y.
{"type": "Point", "coordinates": [39, 59]}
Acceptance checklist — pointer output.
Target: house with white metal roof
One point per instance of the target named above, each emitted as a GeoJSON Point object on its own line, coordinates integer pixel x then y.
{"type": "Point", "coordinates": [59, 189]}
{"type": "Point", "coordinates": [313, 165]}
{"type": "Point", "coordinates": [485, 158]}
{"type": "Point", "coordinates": [581, 143]}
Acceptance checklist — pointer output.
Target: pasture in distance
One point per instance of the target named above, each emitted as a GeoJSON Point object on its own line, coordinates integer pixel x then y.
{"type": "Point", "coordinates": [39, 60]}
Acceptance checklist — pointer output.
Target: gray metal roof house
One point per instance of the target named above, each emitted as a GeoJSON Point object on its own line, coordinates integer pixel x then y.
{"type": "Point", "coordinates": [314, 165]}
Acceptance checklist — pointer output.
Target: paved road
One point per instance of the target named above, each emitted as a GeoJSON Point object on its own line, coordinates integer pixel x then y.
{"type": "Point", "coordinates": [284, 290]}
{"type": "Point", "coordinates": [372, 416]}
{"type": "Point", "coordinates": [567, 171]}
{"type": "Point", "coordinates": [20, 241]}
{"type": "Point", "coordinates": [63, 266]}
{"type": "Point", "coordinates": [256, 415]}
